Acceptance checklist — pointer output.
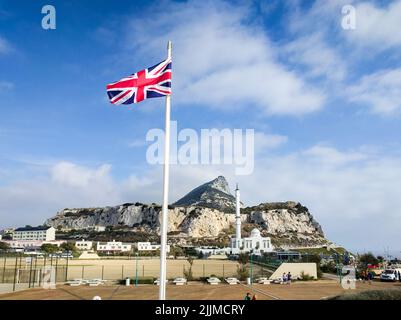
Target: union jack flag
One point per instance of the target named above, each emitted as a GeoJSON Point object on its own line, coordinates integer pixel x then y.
{"type": "Point", "coordinates": [152, 82]}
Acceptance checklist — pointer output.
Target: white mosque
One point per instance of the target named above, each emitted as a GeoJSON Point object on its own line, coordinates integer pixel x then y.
{"type": "Point", "coordinates": [255, 243]}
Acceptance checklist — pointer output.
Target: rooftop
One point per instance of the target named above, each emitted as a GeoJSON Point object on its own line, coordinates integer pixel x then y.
{"type": "Point", "coordinates": [29, 228]}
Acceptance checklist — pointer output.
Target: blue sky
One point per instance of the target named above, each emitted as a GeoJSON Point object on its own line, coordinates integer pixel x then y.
{"type": "Point", "coordinates": [324, 101]}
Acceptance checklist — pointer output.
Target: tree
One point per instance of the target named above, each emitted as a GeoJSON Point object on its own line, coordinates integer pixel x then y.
{"type": "Point", "coordinates": [68, 246]}
{"type": "Point", "coordinates": [4, 246]}
{"type": "Point", "coordinates": [242, 270]}
{"type": "Point", "coordinates": [49, 248]}
{"type": "Point", "coordinates": [243, 258]}
{"type": "Point", "coordinates": [366, 259]}
{"type": "Point", "coordinates": [176, 251]}
{"type": "Point", "coordinates": [188, 273]}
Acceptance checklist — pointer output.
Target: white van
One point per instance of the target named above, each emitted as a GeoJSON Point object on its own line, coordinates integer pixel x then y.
{"type": "Point", "coordinates": [390, 275]}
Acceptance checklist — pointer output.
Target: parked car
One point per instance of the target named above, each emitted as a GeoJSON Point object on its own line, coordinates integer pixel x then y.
{"type": "Point", "coordinates": [75, 282]}
{"type": "Point", "coordinates": [278, 280]}
{"type": "Point", "coordinates": [263, 280]}
{"type": "Point", "coordinates": [157, 281]}
{"type": "Point", "coordinates": [390, 275]}
{"type": "Point", "coordinates": [232, 280]}
{"type": "Point", "coordinates": [180, 281]}
{"type": "Point", "coordinates": [213, 280]}
{"type": "Point", "coordinates": [94, 282]}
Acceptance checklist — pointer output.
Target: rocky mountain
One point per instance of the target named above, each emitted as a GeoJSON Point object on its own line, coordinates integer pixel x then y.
{"type": "Point", "coordinates": [205, 212]}
{"type": "Point", "coordinates": [213, 194]}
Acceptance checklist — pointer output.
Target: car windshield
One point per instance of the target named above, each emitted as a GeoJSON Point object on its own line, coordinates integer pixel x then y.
{"type": "Point", "coordinates": [388, 271]}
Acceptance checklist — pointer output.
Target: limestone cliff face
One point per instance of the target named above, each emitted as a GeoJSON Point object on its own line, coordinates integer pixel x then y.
{"type": "Point", "coordinates": [191, 221]}
{"type": "Point", "coordinates": [289, 222]}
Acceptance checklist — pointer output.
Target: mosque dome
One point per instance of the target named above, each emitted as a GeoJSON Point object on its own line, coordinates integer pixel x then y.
{"type": "Point", "coordinates": [255, 233]}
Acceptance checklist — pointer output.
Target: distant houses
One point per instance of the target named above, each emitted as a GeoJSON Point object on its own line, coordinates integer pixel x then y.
{"type": "Point", "coordinates": [84, 245]}
{"type": "Point", "coordinates": [147, 246]}
{"type": "Point", "coordinates": [113, 247]}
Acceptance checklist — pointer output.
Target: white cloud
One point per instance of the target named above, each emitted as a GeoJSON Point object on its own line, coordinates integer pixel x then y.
{"type": "Point", "coordinates": [268, 141]}
{"type": "Point", "coordinates": [223, 63]}
{"type": "Point", "coordinates": [380, 90]}
{"type": "Point", "coordinates": [377, 27]}
{"type": "Point", "coordinates": [69, 174]}
{"type": "Point", "coordinates": [320, 59]}
{"type": "Point", "coordinates": [137, 143]}
{"type": "Point", "coordinates": [331, 156]}
{"type": "Point", "coordinates": [66, 185]}
{"type": "Point", "coordinates": [5, 46]}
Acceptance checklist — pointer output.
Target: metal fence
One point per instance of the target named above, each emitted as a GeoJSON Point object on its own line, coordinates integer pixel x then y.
{"type": "Point", "coordinates": [20, 269]}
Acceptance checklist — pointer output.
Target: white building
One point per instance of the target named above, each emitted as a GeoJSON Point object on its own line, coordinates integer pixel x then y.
{"type": "Point", "coordinates": [7, 231]}
{"type": "Point", "coordinates": [255, 243]}
{"type": "Point", "coordinates": [31, 244]}
{"type": "Point", "coordinates": [83, 245]}
{"type": "Point", "coordinates": [212, 250]}
{"type": "Point", "coordinates": [147, 246]}
{"type": "Point", "coordinates": [98, 228]}
{"type": "Point", "coordinates": [41, 233]}
{"type": "Point", "coordinates": [113, 246]}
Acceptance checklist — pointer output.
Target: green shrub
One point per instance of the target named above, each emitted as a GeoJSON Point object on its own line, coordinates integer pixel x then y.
{"type": "Point", "coordinates": [242, 272]}
{"type": "Point", "coordinates": [305, 277]}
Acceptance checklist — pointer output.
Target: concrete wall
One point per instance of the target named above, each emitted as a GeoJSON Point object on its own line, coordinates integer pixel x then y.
{"type": "Point", "coordinates": [295, 269]}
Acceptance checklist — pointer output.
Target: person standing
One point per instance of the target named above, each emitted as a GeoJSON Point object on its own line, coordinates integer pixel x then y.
{"type": "Point", "coordinates": [248, 296]}
{"type": "Point", "coordinates": [254, 297]}
{"type": "Point", "coordinates": [399, 276]}
{"type": "Point", "coordinates": [289, 278]}
{"type": "Point", "coordinates": [370, 277]}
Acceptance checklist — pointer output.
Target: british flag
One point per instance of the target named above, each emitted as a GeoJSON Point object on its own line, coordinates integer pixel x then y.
{"type": "Point", "coordinates": [152, 82]}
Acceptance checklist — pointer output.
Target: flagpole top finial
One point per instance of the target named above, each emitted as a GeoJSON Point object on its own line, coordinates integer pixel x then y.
{"type": "Point", "coordinates": [169, 45]}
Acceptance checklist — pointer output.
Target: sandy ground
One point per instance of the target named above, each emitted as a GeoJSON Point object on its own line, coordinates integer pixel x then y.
{"type": "Point", "coordinates": [313, 290]}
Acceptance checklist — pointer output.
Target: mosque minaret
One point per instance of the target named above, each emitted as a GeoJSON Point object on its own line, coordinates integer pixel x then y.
{"type": "Point", "coordinates": [255, 242]}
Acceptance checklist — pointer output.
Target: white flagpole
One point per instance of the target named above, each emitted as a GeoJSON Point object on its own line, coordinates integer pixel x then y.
{"type": "Point", "coordinates": [164, 222]}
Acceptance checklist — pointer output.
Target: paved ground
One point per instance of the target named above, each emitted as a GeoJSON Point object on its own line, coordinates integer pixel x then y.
{"type": "Point", "coordinates": [296, 291]}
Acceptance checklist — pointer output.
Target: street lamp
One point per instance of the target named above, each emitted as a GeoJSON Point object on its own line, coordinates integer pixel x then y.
{"type": "Point", "coordinates": [136, 270]}
{"type": "Point", "coordinates": [251, 266]}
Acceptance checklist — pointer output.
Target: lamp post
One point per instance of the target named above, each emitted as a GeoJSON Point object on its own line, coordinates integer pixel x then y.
{"type": "Point", "coordinates": [251, 253]}
{"type": "Point", "coordinates": [136, 270]}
